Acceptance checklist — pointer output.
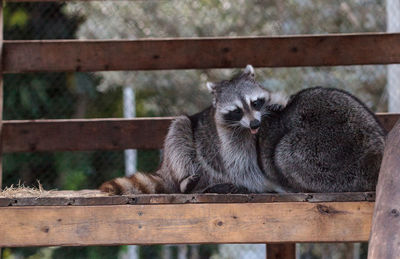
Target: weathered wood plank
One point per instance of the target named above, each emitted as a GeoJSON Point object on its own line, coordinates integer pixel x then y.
{"type": "Point", "coordinates": [281, 251]}
{"type": "Point", "coordinates": [385, 238]}
{"type": "Point", "coordinates": [95, 197]}
{"type": "Point", "coordinates": [97, 134]}
{"type": "Point", "coordinates": [1, 99]}
{"type": "Point", "coordinates": [201, 53]}
{"type": "Point", "coordinates": [93, 134]}
{"type": "Point", "coordinates": [188, 223]}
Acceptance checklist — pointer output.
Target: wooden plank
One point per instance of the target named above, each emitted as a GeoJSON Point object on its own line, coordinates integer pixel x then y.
{"type": "Point", "coordinates": [93, 134]}
{"type": "Point", "coordinates": [95, 197]}
{"type": "Point", "coordinates": [385, 238]}
{"type": "Point", "coordinates": [281, 251]}
{"type": "Point", "coordinates": [185, 223]}
{"type": "Point", "coordinates": [97, 134]}
{"type": "Point", "coordinates": [201, 53]}
{"type": "Point", "coordinates": [1, 100]}
{"type": "Point", "coordinates": [1, 97]}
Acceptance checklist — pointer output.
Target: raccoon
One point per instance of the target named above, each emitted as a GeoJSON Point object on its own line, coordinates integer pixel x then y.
{"type": "Point", "coordinates": [324, 140]}
{"type": "Point", "coordinates": [214, 150]}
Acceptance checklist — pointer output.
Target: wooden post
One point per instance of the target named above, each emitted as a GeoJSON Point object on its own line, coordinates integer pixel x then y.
{"type": "Point", "coordinates": [281, 251]}
{"type": "Point", "coordinates": [1, 94]}
{"type": "Point", "coordinates": [385, 238]}
{"type": "Point", "coordinates": [1, 99]}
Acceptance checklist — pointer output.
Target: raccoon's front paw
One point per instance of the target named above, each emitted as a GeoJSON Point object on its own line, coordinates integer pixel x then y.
{"type": "Point", "coordinates": [225, 188]}
{"type": "Point", "coordinates": [187, 185]}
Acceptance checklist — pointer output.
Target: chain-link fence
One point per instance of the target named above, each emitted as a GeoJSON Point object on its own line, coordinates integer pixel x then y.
{"type": "Point", "coordinates": [165, 93]}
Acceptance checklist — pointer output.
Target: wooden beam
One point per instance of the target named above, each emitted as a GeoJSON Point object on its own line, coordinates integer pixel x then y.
{"type": "Point", "coordinates": [201, 53]}
{"type": "Point", "coordinates": [385, 238]}
{"type": "Point", "coordinates": [95, 198]}
{"type": "Point", "coordinates": [281, 251]}
{"type": "Point", "coordinates": [92, 134]}
{"type": "Point", "coordinates": [97, 134]}
{"type": "Point", "coordinates": [1, 101]}
{"type": "Point", "coordinates": [1, 96]}
{"type": "Point", "coordinates": [185, 223]}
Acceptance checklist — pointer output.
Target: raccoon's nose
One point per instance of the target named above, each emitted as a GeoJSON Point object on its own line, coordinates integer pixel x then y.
{"type": "Point", "coordinates": [255, 124]}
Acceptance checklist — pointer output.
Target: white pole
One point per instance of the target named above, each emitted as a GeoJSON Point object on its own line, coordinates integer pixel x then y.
{"type": "Point", "coordinates": [129, 107]}
{"type": "Point", "coordinates": [182, 251]}
{"type": "Point", "coordinates": [130, 112]}
{"type": "Point", "coordinates": [393, 73]}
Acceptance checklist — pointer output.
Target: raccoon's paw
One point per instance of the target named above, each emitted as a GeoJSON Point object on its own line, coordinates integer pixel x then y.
{"type": "Point", "coordinates": [187, 185]}
{"type": "Point", "coordinates": [226, 188]}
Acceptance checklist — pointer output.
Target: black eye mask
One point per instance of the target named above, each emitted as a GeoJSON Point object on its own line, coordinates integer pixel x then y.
{"type": "Point", "coordinates": [235, 115]}
{"type": "Point", "coordinates": [258, 104]}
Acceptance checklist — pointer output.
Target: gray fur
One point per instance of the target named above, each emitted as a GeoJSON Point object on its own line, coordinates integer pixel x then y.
{"type": "Point", "coordinates": [324, 140]}
{"type": "Point", "coordinates": [210, 150]}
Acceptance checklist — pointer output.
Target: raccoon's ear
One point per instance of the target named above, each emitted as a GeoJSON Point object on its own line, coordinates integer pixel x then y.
{"type": "Point", "coordinates": [211, 87]}
{"type": "Point", "coordinates": [249, 70]}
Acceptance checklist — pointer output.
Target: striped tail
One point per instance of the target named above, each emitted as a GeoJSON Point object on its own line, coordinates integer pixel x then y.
{"type": "Point", "coordinates": [138, 183]}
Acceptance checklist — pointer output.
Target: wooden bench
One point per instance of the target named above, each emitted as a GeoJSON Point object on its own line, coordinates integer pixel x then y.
{"type": "Point", "coordinates": [90, 218]}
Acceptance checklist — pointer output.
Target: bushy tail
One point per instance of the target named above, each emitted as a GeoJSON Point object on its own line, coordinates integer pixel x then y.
{"type": "Point", "coordinates": [138, 183]}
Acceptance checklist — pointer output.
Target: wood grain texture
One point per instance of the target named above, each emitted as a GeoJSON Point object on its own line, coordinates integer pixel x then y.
{"type": "Point", "coordinates": [185, 223]}
{"type": "Point", "coordinates": [281, 251]}
{"type": "Point", "coordinates": [201, 53]}
{"type": "Point", "coordinates": [97, 134]}
{"type": "Point", "coordinates": [1, 97]}
{"type": "Point", "coordinates": [92, 134]}
{"type": "Point", "coordinates": [95, 197]}
{"type": "Point", "coordinates": [385, 238]}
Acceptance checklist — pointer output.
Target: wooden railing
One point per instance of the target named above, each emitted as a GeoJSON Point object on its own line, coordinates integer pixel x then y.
{"type": "Point", "coordinates": [200, 53]}
{"type": "Point", "coordinates": [75, 219]}
{"type": "Point", "coordinates": [164, 219]}
{"type": "Point", "coordinates": [98, 134]}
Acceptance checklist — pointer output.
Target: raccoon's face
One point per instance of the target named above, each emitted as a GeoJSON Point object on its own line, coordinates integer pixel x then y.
{"type": "Point", "coordinates": [240, 102]}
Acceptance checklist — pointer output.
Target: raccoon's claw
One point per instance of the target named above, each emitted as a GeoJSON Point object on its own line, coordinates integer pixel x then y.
{"type": "Point", "coordinates": [225, 188]}
{"type": "Point", "coordinates": [187, 185]}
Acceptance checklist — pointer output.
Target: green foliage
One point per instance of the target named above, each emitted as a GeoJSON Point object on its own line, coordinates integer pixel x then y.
{"type": "Point", "coordinates": [148, 160]}
{"type": "Point", "coordinates": [95, 252]}
{"type": "Point", "coordinates": [36, 96]}
{"type": "Point", "coordinates": [19, 18]}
